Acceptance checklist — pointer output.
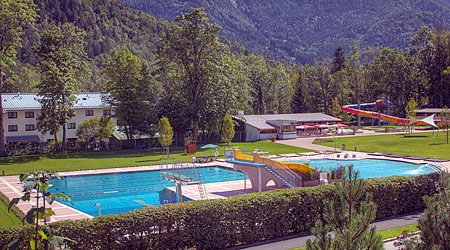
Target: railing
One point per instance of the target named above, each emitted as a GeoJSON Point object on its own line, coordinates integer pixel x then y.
{"type": "Point", "coordinates": [179, 171]}
{"type": "Point", "coordinates": [201, 187]}
{"type": "Point", "coordinates": [287, 174]}
{"type": "Point", "coordinates": [435, 166]}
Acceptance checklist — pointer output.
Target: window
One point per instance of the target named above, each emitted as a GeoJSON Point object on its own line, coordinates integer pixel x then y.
{"type": "Point", "coordinates": [12, 115]}
{"type": "Point", "coordinates": [29, 127]}
{"type": "Point", "coordinates": [106, 112]}
{"type": "Point", "coordinates": [89, 112]}
{"type": "Point", "coordinates": [13, 128]}
{"type": "Point", "coordinates": [29, 114]}
{"type": "Point", "coordinates": [71, 125]}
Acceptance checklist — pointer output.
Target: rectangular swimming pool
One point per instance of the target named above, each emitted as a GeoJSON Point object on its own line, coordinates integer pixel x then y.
{"type": "Point", "coordinates": [118, 192]}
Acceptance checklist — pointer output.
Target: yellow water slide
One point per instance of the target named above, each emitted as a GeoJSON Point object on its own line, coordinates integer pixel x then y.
{"type": "Point", "coordinates": [303, 168]}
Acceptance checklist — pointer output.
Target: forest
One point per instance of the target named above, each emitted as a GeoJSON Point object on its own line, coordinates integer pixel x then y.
{"type": "Point", "coordinates": [151, 65]}
{"type": "Point", "coordinates": [306, 31]}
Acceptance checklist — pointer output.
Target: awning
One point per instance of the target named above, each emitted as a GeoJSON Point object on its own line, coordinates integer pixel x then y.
{"type": "Point", "coordinates": [22, 138]}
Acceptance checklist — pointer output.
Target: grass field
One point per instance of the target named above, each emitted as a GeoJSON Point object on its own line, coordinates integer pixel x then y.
{"type": "Point", "coordinates": [125, 158]}
{"type": "Point", "coordinates": [386, 234]}
{"type": "Point", "coordinates": [8, 219]}
{"type": "Point", "coordinates": [421, 144]}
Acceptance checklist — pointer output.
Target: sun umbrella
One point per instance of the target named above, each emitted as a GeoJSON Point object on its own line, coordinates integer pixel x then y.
{"type": "Point", "coordinates": [310, 127]}
{"type": "Point", "coordinates": [339, 125]}
{"type": "Point", "coordinates": [324, 126]}
{"type": "Point", "coordinates": [208, 146]}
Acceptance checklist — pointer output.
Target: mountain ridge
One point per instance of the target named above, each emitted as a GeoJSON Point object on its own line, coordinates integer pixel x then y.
{"type": "Point", "coordinates": [309, 30]}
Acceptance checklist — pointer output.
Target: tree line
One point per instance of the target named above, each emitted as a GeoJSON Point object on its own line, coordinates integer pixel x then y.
{"type": "Point", "coordinates": [195, 79]}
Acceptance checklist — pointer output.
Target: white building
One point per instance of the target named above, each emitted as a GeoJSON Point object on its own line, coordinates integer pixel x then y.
{"type": "Point", "coordinates": [20, 112]}
{"type": "Point", "coordinates": [282, 126]}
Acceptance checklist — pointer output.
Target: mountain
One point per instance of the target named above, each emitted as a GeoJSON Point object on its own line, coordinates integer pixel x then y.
{"type": "Point", "coordinates": [303, 31]}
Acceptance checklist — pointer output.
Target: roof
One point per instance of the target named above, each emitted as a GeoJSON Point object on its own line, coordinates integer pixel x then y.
{"type": "Point", "coordinates": [22, 138]}
{"type": "Point", "coordinates": [30, 101]}
{"type": "Point", "coordinates": [260, 121]}
{"type": "Point", "coordinates": [429, 110]}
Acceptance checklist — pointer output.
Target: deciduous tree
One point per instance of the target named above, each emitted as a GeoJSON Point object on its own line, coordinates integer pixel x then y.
{"type": "Point", "coordinates": [165, 134]}
{"type": "Point", "coordinates": [191, 48]}
{"type": "Point", "coordinates": [14, 15]}
{"type": "Point", "coordinates": [61, 56]}
{"type": "Point", "coordinates": [132, 92]}
{"type": "Point", "coordinates": [228, 129]}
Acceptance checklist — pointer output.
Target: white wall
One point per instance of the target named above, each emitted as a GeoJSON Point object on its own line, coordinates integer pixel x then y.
{"type": "Point", "coordinates": [252, 134]}
{"type": "Point", "coordinates": [21, 121]}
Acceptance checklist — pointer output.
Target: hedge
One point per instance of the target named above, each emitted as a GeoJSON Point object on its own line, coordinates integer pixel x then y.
{"type": "Point", "coordinates": [242, 219]}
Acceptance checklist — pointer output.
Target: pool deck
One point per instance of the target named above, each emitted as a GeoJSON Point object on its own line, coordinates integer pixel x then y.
{"type": "Point", "coordinates": [12, 188]}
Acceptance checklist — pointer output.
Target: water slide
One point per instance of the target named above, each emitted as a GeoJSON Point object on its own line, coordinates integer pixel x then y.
{"type": "Point", "coordinates": [353, 109]}
{"type": "Point", "coordinates": [303, 168]}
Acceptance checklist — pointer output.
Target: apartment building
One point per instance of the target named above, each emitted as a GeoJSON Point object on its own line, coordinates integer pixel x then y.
{"type": "Point", "coordinates": [20, 112]}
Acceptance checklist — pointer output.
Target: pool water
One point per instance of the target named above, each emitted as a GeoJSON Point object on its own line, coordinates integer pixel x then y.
{"type": "Point", "coordinates": [116, 193]}
{"type": "Point", "coordinates": [370, 168]}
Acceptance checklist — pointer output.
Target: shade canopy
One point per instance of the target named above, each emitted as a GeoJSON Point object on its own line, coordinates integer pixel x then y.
{"type": "Point", "coordinates": [339, 125]}
{"type": "Point", "coordinates": [323, 125]}
{"type": "Point", "coordinates": [208, 146]}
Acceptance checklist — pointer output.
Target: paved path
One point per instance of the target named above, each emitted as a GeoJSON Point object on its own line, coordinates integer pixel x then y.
{"type": "Point", "coordinates": [298, 241]}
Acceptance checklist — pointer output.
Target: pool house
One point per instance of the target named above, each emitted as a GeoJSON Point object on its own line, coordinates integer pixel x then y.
{"type": "Point", "coordinates": [282, 126]}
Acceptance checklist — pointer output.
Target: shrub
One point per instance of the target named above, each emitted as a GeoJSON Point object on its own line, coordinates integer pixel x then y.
{"type": "Point", "coordinates": [242, 219]}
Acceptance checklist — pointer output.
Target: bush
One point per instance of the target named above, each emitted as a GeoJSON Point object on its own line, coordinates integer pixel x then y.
{"type": "Point", "coordinates": [214, 224]}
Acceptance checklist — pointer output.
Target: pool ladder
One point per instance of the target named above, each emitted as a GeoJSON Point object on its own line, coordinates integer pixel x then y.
{"type": "Point", "coordinates": [201, 187]}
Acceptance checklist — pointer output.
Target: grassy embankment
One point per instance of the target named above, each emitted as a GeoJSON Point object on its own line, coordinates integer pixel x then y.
{"type": "Point", "coordinates": [125, 158]}
{"type": "Point", "coordinates": [421, 144]}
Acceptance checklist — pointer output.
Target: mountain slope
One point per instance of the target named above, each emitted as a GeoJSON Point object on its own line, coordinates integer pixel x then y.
{"type": "Point", "coordinates": [303, 31]}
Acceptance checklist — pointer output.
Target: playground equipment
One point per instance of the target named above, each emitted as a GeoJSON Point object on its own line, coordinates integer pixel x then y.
{"type": "Point", "coordinates": [184, 173]}
{"type": "Point", "coordinates": [352, 109]}
{"type": "Point", "coordinates": [261, 170]}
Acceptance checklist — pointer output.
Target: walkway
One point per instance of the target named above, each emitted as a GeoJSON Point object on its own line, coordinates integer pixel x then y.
{"type": "Point", "coordinates": [299, 241]}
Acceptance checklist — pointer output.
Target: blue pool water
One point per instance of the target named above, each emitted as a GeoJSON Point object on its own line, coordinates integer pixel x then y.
{"type": "Point", "coordinates": [116, 193]}
{"type": "Point", "coordinates": [370, 168]}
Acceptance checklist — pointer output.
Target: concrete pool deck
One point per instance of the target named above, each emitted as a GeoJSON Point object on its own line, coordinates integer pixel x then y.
{"type": "Point", "coordinates": [12, 188]}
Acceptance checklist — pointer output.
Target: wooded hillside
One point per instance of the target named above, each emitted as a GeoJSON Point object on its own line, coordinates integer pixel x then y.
{"type": "Point", "coordinates": [305, 31]}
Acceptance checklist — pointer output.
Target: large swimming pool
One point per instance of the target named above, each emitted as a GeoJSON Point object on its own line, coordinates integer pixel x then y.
{"type": "Point", "coordinates": [370, 168]}
{"type": "Point", "coordinates": [117, 193]}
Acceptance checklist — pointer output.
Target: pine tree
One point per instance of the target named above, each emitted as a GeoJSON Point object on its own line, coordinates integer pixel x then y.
{"type": "Point", "coordinates": [435, 225]}
{"type": "Point", "coordinates": [338, 61]}
{"type": "Point", "coordinates": [348, 217]}
{"type": "Point", "coordinates": [298, 103]}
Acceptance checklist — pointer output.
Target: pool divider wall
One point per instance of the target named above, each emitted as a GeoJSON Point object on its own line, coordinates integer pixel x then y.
{"type": "Point", "coordinates": [221, 223]}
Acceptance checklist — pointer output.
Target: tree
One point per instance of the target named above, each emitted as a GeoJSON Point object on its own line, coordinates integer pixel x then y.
{"type": "Point", "coordinates": [61, 56]}
{"type": "Point", "coordinates": [445, 120]}
{"type": "Point", "coordinates": [411, 110]}
{"type": "Point", "coordinates": [435, 224]}
{"type": "Point", "coordinates": [349, 217]}
{"type": "Point", "coordinates": [228, 129]}
{"type": "Point", "coordinates": [39, 181]}
{"type": "Point", "coordinates": [298, 103]}
{"type": "Point", "coordinates": [191, 48]}
{"type": "Point", "coordinates": [95, 130]}
{"type": "Point", "coordinates": [14, 15]}
{"type": "Point", "coordinates": [336, 109]}
{"type": "Point", "coordinates": [338, 60]}
{"type": "Point", "coordinates": [165, 134]}
{"type": "Point", "coordinates": [132, 92]}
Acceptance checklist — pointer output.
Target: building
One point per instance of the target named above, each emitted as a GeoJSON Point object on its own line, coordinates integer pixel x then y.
{"type": "Point", "coordinates": [20, 112]}
{"type": "Point", "coordinates": [425, 112]}
{"type": "Point", "coordinates": [282, 126]}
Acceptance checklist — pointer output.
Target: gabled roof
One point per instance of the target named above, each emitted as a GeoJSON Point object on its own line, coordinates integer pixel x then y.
{"type": "Point", "coordinates": [260, 121]}
{"type": "Point", "coordinates": [30, 101]}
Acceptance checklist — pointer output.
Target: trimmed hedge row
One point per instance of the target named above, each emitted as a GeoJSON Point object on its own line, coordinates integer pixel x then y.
{"type": "Point", "coordinates": [215, 224]}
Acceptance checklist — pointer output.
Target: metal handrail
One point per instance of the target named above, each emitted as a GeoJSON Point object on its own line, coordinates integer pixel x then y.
{"type": "Point", "coordinates": [287, 174]}
{"type": "Point", "coordinates": [435, 166]}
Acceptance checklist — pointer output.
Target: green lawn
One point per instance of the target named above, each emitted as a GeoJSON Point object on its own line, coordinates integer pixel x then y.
{"type": "Point", "coordinates": [421, 144]}
{"type": "Point", "coordinates": [386, 234]}
{"type": "Point", "coordinates": [8, 219]}
{"type": "Point", "coordinates": [125, 158]}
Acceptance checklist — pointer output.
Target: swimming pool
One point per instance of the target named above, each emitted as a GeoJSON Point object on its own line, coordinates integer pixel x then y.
{"type": "Point", "coordinates": [117, 193]}
{"type": "Point", "coordinates": [370, 168]}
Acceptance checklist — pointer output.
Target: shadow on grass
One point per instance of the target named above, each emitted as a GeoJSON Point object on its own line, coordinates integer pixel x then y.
{"type": "Point", "coordinates": [19, 159]}
{"type": "Point", "coordinates": [415, 136]}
